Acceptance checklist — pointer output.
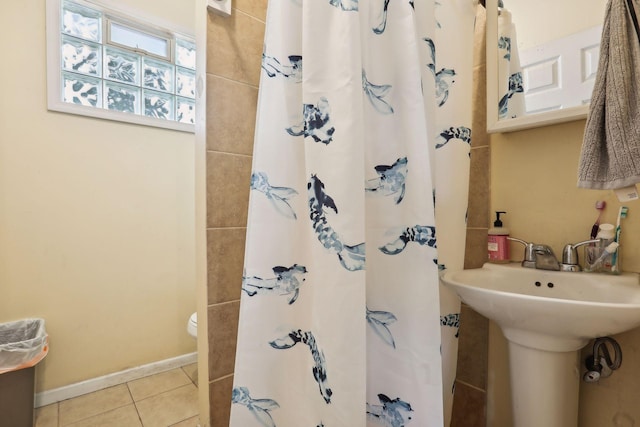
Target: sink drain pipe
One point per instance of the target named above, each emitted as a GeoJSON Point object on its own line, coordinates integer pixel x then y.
{"type": "Point", "coordinates": [600, 364]}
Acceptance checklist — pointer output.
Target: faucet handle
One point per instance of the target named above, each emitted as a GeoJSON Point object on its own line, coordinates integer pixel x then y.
{"type": "Point", "coordinates": [529, 252]}
{"type": "Point", "coordinates": [570, 260]}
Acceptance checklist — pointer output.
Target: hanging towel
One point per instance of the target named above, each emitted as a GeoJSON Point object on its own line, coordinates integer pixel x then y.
{"type": "Point", "coordinates": [610, 155]}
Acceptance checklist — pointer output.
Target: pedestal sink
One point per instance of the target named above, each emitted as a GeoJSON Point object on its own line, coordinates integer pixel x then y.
{"type": "Point", "coordinates": [547, 316]}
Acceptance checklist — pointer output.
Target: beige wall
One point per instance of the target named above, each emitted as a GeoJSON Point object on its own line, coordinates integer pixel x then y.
{"type": "Point", "coordinates": [234, 53]}
{"type": "Point", "coordinates": [545, 20]}
{"type": "Point", "coordinates": [533, 178]}
{"type": "Point", "coordinates": [96, 218]}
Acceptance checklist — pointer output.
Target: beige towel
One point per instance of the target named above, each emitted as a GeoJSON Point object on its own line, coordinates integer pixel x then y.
{"type": "Point", "coordinates": [610, 156]}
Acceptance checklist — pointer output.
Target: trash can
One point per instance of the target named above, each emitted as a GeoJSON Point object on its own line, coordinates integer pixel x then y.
{"type": "Point", "coordinates": [23, 344]}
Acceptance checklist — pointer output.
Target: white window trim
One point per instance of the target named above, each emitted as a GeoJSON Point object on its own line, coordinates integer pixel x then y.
{"type": "Point", "coordinates": [54, 89]}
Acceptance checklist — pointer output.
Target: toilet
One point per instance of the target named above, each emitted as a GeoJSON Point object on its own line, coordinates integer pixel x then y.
{"type": "Point", "coordinates": [192, 325]}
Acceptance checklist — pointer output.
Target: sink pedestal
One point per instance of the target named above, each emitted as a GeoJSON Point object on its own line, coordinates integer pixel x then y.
{"type": "Point", "coordinates": [544, 386]}
{"type": "Point", "coordinates": [547, 317]}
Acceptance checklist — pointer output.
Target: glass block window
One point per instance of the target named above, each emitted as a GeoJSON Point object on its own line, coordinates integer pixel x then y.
{"type": "Point", "coordinates": [82, 22]}
{"type": "Point", "coordinates": [122, 66]}
{"type": "Point", "coordinates": [114, 63]}
{"type": "Point", "coordinates": [81, 90]}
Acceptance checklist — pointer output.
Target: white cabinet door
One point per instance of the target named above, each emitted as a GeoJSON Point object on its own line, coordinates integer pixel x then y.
{"type": "Point", "coordinates": [561, 73]}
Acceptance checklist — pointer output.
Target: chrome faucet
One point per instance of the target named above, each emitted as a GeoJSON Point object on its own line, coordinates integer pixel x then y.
{"type": "Point", "coordinates": [538, 256]}
{"type": "Point", "coordinates": [545, 258]}
{"type": "Point", "coordinates": [570, 261]}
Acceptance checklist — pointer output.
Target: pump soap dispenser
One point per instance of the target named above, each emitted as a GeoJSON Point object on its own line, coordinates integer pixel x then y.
{"type": "Point", "coordinates": [497, 242]}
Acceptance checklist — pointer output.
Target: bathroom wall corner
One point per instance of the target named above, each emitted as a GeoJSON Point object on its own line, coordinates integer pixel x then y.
{"type": "Point", "coordinates": [470, 397]}
{"type": "Point", "coordinates": [200, 161]}
{"type": "Point", "coordinates": [234, 53]}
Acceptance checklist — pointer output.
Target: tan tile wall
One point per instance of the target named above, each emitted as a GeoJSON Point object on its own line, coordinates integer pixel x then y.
{"type": "Point", "coordinates": [470, 397]}
{"type": "Point", "coordinates": [234, 52]}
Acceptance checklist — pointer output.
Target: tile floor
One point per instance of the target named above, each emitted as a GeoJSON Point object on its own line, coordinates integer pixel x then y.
{"type": "Point", "coordinates": [167, 399]}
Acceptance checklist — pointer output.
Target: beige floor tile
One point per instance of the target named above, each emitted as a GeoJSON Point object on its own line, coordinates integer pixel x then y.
{"type": "Point", "coordinates": [170, 407]}
{"type": "Point", "coordinates": [158, 383]}
{"type": "Point", "coordinates": [47, 416]}
{"type": "Point", "coordinates": [192, 372]}
{"type": "Point", "coordinates": [126, 416]}
{"type": "Point", "coordinates": [91, 404]}
{"type": "Point", "coordinates": [191, 422]}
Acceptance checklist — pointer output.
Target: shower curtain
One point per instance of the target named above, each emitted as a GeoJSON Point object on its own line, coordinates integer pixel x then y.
{"type": "Point", "coordinates": [363, 125]}
{"type": "Point", "coordinates": [510, 80]}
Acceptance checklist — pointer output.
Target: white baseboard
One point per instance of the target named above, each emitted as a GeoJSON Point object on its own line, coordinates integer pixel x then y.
{"type": "Point", "coordinates": [94, 384]}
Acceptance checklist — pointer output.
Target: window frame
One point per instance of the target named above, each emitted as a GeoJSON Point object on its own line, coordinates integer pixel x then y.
{"type": "Point", "coordinates": [121, 15]}
{"type": "Point", "coordinates": [168, 37]}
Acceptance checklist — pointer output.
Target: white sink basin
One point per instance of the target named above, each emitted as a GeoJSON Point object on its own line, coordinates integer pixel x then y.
{"type": "Point", "coordinates": [547, 316]}
{"type": "Point", "coordinates": [550, 310]}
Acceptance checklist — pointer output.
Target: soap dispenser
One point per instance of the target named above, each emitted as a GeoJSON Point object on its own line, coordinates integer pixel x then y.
{"type": "Point", "coordinates": [497, 242]}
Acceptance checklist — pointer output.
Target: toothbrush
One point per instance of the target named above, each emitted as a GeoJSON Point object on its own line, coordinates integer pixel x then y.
{"type": "Point", "coordinates": [600, 205]}
{"type": "Point", "coordinates": [622, 213]}
{"type": "Point", "coordinates": [612, 248]}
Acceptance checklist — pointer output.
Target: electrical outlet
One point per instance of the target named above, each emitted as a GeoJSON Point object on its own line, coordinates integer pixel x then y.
{"type": "Point", "coordinates": [223, 7]}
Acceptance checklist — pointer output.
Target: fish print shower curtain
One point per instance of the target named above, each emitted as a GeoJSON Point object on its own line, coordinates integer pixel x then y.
{"type": "Point", "coordinates": [510, 83]}
{"type": "Point", "coordinates": [363, 124]}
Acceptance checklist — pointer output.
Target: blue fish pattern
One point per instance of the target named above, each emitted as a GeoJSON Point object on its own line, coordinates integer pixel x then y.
{"type": "Point", "coordinates": [444, 78]}
{"type": "Point", "coordinates": [351, 257]}
{"type": "Point", "coordinates": [347, 5]}
{"type": "Point", "coordinates": [260, 408]}
{"type": "Point", "coordinates": [451, 320]}
{"type": "Point", "coordinates": [421, 234]}
{"type": "Point", "coordinates": [320, 368]}
{"type": "Point", "coordinates": [278, 196]}
{"type": "Point", "coordinates": [438, 24]}
{"type": "Point", "coordinates": [287, 281]}
{"type": "Point", "coordinates": [462, 133]}
{"type": "Point", "coordinates": [379, 29]}
{"type": "Point", "coordinates": [391, 412]}
{"type": "Point", "coordinates": [316, 123]}
{"type": "Point", "coordinates": [375, 94]}
{"type": "Point", "coordinates": [504, 42]}
{"type": "Point", "coordinates": [379, 322]}
{"type": "Point", "coordinates": [390, 181]}
{"type": "Point", "coordinates": [515, 86]}
{"type": "Point", "coordinates": [273, 67]}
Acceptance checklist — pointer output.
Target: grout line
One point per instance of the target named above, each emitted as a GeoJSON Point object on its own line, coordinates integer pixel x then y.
{"type": "Point", "coordinates": [223, 302]}
{"type": "Point", "coordinates": [471, 386]}
{"type": "Point", "coordinates": [96, 414]}
{"type": "Point", "coordinates": [232, 80]}
{"type": "Point", "coordinates": [193, 381]}
{"type": "Point", "coordinates": [224, 377]}
{"type": "Point", "coordinates": [135, 405]}
{"type": "Point", "coordinates": [246, 14]}
{"type": "Point", "coordinates": [165, 391]}
{"type": "Point", "coordinates": [230, 153]}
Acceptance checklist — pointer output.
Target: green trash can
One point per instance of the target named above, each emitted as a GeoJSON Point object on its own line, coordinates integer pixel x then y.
{"type": "Point", "coordinates": [23, 344]}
